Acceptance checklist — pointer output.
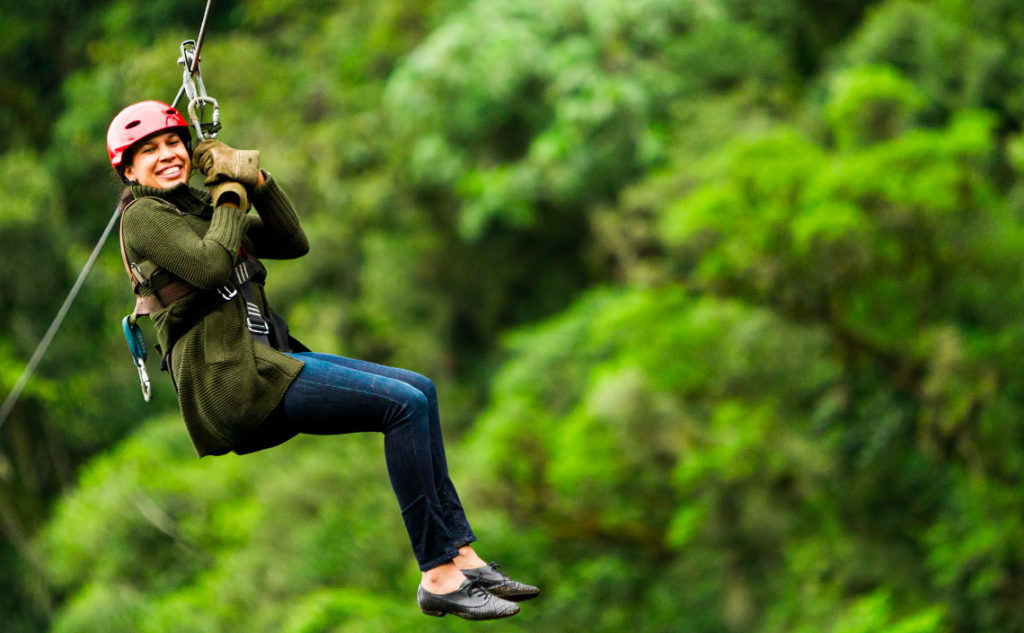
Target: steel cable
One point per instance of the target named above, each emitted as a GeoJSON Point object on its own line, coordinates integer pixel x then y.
{"type": "Point", "coordinates": [33, 362]}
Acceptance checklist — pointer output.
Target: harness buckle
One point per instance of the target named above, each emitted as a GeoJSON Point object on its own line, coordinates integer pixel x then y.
{"type": "Point", "coordinates": [227, 293]}
{"type": "Point", "coordinates": [140, 278]}
{"type": "Point", "coordinates": [257, 327]}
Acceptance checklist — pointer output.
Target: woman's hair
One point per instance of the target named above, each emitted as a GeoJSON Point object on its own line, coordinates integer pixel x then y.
{"type": "Point", "coordinates": [126, 197]}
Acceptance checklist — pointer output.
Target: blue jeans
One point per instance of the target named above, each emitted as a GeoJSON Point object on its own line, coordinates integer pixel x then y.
{"type": "Point", "coordinates": [334, 395]}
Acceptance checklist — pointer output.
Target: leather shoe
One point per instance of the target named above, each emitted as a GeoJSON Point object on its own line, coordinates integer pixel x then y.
{"type": "Point", "coordinates": [470, 601]}
{"type": "Point", "coordinates": [501, 585]}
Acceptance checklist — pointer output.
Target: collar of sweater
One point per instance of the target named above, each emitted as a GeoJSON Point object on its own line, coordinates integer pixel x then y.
{"type": "Point", "coordinates": [187, 199]}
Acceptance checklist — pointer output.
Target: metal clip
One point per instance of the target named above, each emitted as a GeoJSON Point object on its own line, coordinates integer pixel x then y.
{"type": "Point", "coordinates": [147, 389]}
{"type": "Point", "coordinates": [227, 293]}
{"type": "Point", "coordinates": [137, 273]}
{"type": "Point", "coordinates": [195, 90]}
{"type": "Point", "coordinates": [137, 348]}
{"type": "Point", "coordinates": [207, 129]}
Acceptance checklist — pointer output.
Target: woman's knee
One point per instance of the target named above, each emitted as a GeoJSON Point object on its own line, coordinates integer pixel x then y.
{"type": "Point", "coordinates": [421, 383]}
{"type": "Point", "coordinates": [412, 409]}
{"type": "Point", "coordinates": [425, 385]}
{"type": "Point", "coordinates": [417, 401]}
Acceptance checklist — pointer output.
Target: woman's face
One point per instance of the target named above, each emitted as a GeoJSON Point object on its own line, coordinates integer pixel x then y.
{"type": "Point", "coordinates": [161, 161]}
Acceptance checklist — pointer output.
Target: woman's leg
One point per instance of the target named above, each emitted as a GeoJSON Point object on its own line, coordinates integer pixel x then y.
{"type": "Point", "coordinates": [331, 397]}
{"type": "Point", "coordinates": [335, 395]}
{"type": "Point", "coordinates": [452, 511]}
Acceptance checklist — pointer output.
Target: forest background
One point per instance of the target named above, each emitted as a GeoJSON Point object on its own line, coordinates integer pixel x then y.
{"type": "Point", "coordinates": [722, 299]}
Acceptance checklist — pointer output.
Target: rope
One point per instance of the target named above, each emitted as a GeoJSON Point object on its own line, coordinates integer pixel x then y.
{"type": "Point", "coordinates": [19, 386]}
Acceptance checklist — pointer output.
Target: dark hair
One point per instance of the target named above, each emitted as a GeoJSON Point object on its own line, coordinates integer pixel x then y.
{"type": "Point", "coordinates": [126, 197]}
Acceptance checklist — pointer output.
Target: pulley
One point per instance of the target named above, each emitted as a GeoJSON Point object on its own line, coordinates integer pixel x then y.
{"type": "Point", "coordinates": [195, 91]}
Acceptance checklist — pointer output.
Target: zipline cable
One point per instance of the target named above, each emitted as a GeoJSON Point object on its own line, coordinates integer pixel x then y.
{"type": "Point", "coordinates": [33, 362]}
{"type": "Point", "coordinates": [199, 40]}
{"type": "Point", "coordinates": [44, 344]}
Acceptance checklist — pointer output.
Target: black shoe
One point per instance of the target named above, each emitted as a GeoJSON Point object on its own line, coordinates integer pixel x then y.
{"type": "Point", "coordinates": [501, 585]}
{"type": "Point", "coordinates": [470, 601]}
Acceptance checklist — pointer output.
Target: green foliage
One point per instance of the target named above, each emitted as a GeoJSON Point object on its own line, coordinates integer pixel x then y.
{"type": "Point", "coordinates": [556, 104]}
{"type": "Point", "coordinates": [871, 104]}
{"type": "Point", "coordinates": [952, 64]}
{"type": "Point", "coordinates": [617, 447]}
{"type": "Point", "coordinates": [156, 543]}
{"type": "Point", "coordinates": [720, 297]}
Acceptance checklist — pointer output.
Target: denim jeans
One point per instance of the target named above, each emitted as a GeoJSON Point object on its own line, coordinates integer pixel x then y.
{"type": "Point", "coordinates": [334, 395]}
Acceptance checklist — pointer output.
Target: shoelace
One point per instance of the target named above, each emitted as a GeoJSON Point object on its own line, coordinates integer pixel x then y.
{"type": "Point", "coordinates": [497, 569]}
{"type": "Point", "coordinates": [476, 589]}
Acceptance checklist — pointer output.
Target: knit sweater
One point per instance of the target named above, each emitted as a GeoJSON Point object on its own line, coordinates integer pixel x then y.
{"type": "Point", "coordinates": [226, 382]}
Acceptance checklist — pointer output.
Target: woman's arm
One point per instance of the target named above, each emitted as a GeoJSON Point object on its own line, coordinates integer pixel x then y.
{"type": "Point", "coordinates": [156, 231]}
{"type": "Point", "coordinates": [276, 233]}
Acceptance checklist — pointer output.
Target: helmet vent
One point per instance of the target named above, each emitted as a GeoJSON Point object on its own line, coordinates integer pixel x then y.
{"type": "Point", "coordinates": [171, 111]}
{"type": "Point", "coordinates": [132, 124]}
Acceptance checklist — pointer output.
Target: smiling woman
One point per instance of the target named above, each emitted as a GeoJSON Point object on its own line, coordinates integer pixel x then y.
{"type": "Point", "coordinates": [243, 383]}
{"type": "Point", "coordinates": [161, 160]}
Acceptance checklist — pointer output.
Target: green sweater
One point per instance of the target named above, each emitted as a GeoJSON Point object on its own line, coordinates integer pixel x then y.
{"type": "Point", "coordinates": [226, 382]}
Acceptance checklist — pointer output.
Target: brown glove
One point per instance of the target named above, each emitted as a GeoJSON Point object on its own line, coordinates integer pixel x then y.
{"type": "Point", "coordinates": [229, 192]}
{"type": "Point", "coordinates": [220, 162]}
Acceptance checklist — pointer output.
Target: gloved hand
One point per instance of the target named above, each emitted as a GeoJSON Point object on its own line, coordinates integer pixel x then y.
{"type": "Point", "coordinates": [228, 192]}
{"type": "Point", "coordinates": [220, 162]}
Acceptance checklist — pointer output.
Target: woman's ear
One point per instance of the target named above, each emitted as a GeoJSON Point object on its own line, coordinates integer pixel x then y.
{"type": "Point", "coordinates": [128, 174]}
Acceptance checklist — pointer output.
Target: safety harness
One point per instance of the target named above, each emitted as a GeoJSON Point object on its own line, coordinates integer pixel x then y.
{"type": "Point", "coordinates": [270, 329]}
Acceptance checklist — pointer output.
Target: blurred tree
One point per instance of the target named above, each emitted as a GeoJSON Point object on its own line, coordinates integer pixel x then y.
{"type": "Point", "coordinates": [874, 271]}
{"type": "Point", "coordinates": [807, 30]}
{"type": "Point", "coordinates": [755, 263]}
{"type": "Point", "coordinates": [45, 42]}
{"type": "Point", "coordinates": [953, 63]}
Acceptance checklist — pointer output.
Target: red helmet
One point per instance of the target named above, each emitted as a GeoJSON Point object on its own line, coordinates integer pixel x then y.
{"type": "Point", "coordinates": [138, 121]}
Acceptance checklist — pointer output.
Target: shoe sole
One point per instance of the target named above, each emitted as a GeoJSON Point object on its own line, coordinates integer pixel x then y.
{"type": "Point", "coordinates": [522, 597]}
{"type": "Point", "coordinates": [441, 614]}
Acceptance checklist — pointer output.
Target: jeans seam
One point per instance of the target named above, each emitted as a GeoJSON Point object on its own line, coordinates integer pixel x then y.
{"type": "Point", "coordinates": [359, 391]}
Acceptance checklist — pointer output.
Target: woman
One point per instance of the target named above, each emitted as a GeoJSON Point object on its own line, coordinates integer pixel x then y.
{"type": "Point", "coordinates": [192, 256]}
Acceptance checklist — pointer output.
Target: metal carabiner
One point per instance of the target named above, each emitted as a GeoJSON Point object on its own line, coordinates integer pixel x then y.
{"type": "Point", "coordinates": [137, 348]}
{"type": "Point", "coordinates": [204, 130]}
{"type": "Point", "coordinates": [186, 61]}
{"type": "Point", "coordinates": [193, 87]}
{"type": "Point", "coordinates": [147, 390]}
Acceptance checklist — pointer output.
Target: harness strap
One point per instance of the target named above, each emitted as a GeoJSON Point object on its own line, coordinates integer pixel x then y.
{"type": "Point", "coordinates": [141, 273]}
{"type": "Point", "coordinates": [269, 329]}
{"type": "Point", "coordinates": [246, 272]}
